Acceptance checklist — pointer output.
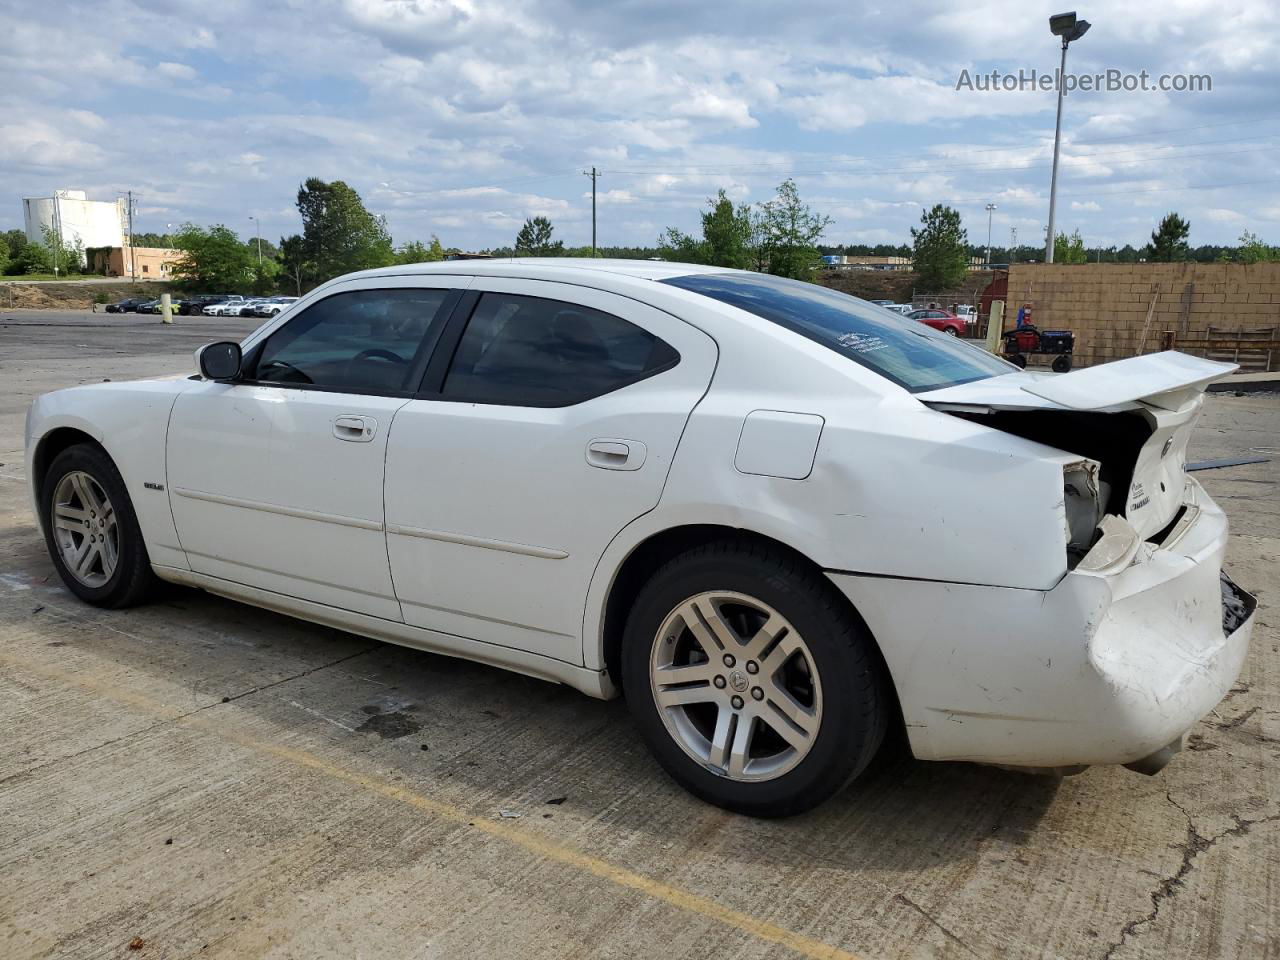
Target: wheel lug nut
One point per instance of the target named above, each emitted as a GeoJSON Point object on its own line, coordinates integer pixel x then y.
{"type": "Point", "coordinates": [757, 693]}
{"type": "Point", "coordinates": [737, 703]}
{"type": "Point", "coordinates": [719, 682]}
{"type": "Point", "coordinates": [728, 660]}
{"type": "Point", "coordinates": [753, 667]}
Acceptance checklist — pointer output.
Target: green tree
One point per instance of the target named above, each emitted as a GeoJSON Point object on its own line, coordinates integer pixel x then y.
{"type": "Point", "coordinates": [293, 263]}
{"type": "Point", "coordinates": [338, 234]}
{"type": "Point", "coordinates": [415, 251]}
{"type": "Point", "coordinates": [67, 258]}
{"type": "Point", "coordinates": [1069, 249]}
{"type": "Point", "coordinates": [1169, 240]}
{"type": "Point", "coordinates": [154, 240]}
{"type": "Point", "coordinates": [31, 258]}
{"type": "Point", "coordinates": [269, 249]}
{"type": "Point", "coordinates": [1253, 250]}
{"type": "Point", "coordinates": [14, 241]}
{"type": "Point", "coordinates": [534, 239]}
{"type": "Point", "coordinates": [214, 259]}
{"type": "Point", "coordinates": [785, 233]}
{"type": "Point", "coordinates": [726, 237]}
{"type": "Point", "coordinates": [939, 248]}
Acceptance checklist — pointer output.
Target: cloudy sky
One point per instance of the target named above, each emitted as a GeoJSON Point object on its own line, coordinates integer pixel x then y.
{"type": "Point", "coordinates": [462, 117]}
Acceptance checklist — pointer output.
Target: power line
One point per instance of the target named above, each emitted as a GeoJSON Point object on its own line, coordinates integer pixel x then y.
{"type": "Point", "coordinates": [977, 169]}
{"type": "Point", "coordinates": [1095, 193]}
{"type": "Point", "coordinates": [913, 156]}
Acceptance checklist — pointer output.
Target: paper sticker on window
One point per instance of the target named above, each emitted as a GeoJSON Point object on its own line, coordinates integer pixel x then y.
{"type": "Point", "coordinates": [861, 342]}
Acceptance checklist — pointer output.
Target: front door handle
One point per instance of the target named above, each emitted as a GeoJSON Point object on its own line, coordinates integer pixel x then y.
{"type": "Point", "coordinates": [355, 428]}
{"type": "Point", "coordinates": [615, 454]}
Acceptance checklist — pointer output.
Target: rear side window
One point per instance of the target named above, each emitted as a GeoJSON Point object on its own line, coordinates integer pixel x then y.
{"type": "Point", "coordinates": [362, 340]}
{"type": "Point", "coordinates": [902, 350]}
{"type": "Point", "coordinates": [534, 352]}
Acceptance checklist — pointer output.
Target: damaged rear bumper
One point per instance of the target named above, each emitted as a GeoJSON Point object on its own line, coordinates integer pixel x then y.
{"type": "Point", "coordinates": [1110, 666]}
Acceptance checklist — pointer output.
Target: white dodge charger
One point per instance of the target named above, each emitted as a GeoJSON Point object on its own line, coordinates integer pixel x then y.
{"type": "Point", "coordinates": [778, 519]}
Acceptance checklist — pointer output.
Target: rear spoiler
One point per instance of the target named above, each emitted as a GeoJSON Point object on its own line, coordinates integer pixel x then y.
{"type": "Point", "coordinates": [1166, 380]}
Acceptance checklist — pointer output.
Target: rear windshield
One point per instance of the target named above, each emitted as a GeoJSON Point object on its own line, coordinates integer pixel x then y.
{"type": "Point", "coordinates": [907, 352]}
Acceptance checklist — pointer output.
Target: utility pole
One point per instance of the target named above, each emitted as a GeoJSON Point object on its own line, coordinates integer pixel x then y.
{"type": "Point", "coordinates": [57, 233]}
{"type": "Point", "coordinates": [990, 208]}
{"type": "Point", "coordinates": [1013, 244]}
{"type": "Point", "coordinates": [594, 175]}
{"type": "Point", "coordinates": [133, 261]}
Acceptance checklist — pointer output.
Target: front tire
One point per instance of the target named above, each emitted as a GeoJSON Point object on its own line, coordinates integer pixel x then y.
{"type": "Point", "coordinates": [91, 530]}
{"type": "Point", "coordinates": [753, 683]}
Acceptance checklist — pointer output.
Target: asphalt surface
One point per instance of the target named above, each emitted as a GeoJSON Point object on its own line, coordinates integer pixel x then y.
{"type": "Point", "coordinates": [199, 778]}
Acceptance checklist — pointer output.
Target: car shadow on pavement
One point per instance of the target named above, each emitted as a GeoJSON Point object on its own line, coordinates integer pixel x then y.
{"type": "Point", "coordinates": [495, 741]}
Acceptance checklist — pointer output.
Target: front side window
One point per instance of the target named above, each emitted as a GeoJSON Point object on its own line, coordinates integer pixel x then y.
{"type": "Point", "coordinates": [533, 352]}
{"type": "Point", "coordinates": [908, 353]}
{"type": "Point", "coordinates": [361, 340]}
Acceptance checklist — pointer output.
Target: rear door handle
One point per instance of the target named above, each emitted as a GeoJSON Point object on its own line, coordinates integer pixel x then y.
{"type": "Point", "coordinates": [355, 428]}
{"type": "Point", "coordinates": [614, 454]}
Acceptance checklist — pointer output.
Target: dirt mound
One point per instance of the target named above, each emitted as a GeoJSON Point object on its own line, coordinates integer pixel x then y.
{"type": "Point", "coordinates": [74, 295]}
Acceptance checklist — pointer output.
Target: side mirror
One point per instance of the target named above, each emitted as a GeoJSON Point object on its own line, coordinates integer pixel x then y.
{"type": "Point", "coordinates": [218, 361]}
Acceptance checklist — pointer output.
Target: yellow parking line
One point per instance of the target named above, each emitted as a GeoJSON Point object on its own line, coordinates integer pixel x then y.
{"type": "Point", "coordinates": [540, 846]}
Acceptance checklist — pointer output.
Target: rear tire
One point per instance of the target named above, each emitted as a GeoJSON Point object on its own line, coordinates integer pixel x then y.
{"type": "Point", "coordinates": [776, 724]}
{"type": "Point", "coordinates": [92, 531]}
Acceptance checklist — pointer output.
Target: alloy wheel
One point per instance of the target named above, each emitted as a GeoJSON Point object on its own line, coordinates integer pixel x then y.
{"type": "Point", "coordinates": [85, 529]}
{"type": "Point", "coordinates": [736, 686]}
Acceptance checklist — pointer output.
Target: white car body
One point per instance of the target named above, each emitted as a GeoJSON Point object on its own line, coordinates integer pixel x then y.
{"type": "Point", "coordinates": [275, 305]}
{"type": "Point", "coordinates": [227, 308]}
{"type": "Point", "coordinates": [491, 532]}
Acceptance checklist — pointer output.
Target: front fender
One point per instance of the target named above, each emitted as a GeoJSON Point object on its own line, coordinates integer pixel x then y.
{"type": "Point", "coordinates": [130, 421]}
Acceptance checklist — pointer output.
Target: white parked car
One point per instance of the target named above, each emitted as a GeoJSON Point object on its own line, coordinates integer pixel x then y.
{"type": "Point", "coordinates": [776, 518]}
{"type": "Point", "coordinates": [269, 308]}
{"type": "Point", "coordinates": [227, 308]}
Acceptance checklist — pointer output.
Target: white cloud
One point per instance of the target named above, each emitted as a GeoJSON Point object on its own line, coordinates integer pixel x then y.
{"type": "Point", "coordinates": [176, 71]}
{"type": "Point", "coordinates": [464, 116]}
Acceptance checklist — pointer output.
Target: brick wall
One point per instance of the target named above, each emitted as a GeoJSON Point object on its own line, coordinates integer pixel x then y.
{"type": "Point", "coordinates": [1105, 304]}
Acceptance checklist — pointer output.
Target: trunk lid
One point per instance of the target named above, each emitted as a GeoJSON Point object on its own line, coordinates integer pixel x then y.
{"type": "Point", "coordinates": [1166, 380]}
{"type": "Point", "coordinates": [1075, 412]}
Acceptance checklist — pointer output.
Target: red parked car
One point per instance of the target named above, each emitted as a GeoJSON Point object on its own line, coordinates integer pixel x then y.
{"type": "Point", "coordinates": [943, 320]}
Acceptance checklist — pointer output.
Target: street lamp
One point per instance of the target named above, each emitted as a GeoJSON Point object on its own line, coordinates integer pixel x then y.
{"type": "Point", "coordinates": [1066, 26]}
{"type": "Point", "coordinates": [257, 227]}
{"type": "Point", "coordinates": [990, 207]}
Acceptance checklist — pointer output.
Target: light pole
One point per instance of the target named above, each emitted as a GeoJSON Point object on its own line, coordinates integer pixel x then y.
{"type": "Point", "coordinates": [1013, 244]}
{"type": "Point", "coordinates": [1066, 26]}
{"type": "Point", "coordinates": [990, 208]}
{"type": "Point", "coordinates": [257, 229]}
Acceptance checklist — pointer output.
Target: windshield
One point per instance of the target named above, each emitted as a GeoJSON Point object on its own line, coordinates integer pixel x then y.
{"type": "Point", "coordinates": [907, 352]}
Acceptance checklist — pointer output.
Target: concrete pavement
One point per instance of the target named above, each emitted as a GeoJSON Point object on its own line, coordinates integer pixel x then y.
{"type": "Point", "coordinates": [200, 778]}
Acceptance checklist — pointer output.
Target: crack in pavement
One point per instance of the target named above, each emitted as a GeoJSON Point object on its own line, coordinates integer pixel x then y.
{"type": "Point", "coordinates": [1194, 845]}
{"type": "Point", "coordinates": [907, 901]}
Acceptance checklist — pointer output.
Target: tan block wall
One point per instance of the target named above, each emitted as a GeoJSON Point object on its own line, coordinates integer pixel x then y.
{"type": "Point", "coordinates": [1106, 304]}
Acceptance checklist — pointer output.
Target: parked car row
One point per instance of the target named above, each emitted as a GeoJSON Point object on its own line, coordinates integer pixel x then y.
{"type": "Point", "coordinates": [253, 307]}
{"type": "Point", "coordinates": [212, 305]}
{"type": "Point", "coordinates": [955, 323]}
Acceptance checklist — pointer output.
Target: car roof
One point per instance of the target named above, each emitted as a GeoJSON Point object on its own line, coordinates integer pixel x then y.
{"type": "Point", "coordinates": [641, 269]}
